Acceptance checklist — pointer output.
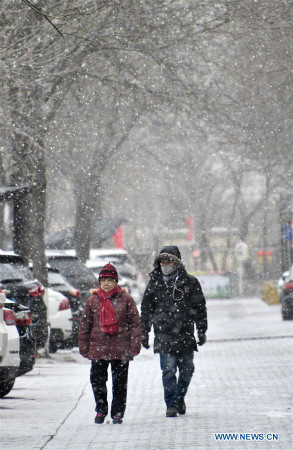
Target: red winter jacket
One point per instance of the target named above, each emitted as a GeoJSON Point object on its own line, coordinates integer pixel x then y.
{"type": "Point", "coordinates": [95, 344]}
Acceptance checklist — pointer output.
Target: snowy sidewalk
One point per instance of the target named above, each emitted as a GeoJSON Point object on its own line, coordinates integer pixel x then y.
{"type": "Point", "coordinates": [242, 384]}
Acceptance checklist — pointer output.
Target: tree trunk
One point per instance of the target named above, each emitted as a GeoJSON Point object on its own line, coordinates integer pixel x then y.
{"type": "Point", "coordinates": [244, 229]}
{"type": "Point", "coordinates": [88, 210]}
{"type": "Point", "coordinates": [265, 230]}
{"type": "Point", "coordinates": [22, 221]}
{"type": "Point", "coordinates": [38, 241]}
{"type": "Point", "coordinates": [2, 227]}
{"type": "Point", "coordinates": [83, 227]}
{"type": "Point", "coordinates": [37, 251]}
{"type": "Point", "coordinates": [22, 208]}
{"type": "Point", "coordinates": [206, 251]}
{"type": "Point", "coordinates": [29, 210]}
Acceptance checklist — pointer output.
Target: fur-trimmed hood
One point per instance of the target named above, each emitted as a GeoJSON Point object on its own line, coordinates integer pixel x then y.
{"type": "Point", "coordinates": [169, 253]}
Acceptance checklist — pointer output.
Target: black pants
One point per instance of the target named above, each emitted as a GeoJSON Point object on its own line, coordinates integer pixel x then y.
{"type": "Point", "coordinates": [99, 378]}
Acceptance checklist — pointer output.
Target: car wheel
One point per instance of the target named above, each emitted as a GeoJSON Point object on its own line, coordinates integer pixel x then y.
{"type": "Point", "coordinates": [6, 386]}
{"type": "Point", "coordinates": [287, 313]}
{"type": "Point", "coordinates": [53, 347]}
{"type": "Point", "coordinates": [67, 344]}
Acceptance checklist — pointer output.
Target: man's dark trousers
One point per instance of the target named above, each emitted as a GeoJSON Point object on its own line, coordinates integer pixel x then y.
{"type": "Point", "coordinates": [173, 389]}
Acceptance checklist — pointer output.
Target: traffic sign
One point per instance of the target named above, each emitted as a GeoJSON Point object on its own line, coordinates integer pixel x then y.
{"type": "Point", "coordinates": [241, 251]}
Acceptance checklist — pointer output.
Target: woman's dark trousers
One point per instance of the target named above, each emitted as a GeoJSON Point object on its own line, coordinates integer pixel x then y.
{"type": "Point", "coordinates": [99, 378]}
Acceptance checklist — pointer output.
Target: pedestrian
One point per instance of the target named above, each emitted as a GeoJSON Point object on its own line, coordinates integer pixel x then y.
{"type": "Point", "coordinates": [109, 334]}
{"type": "Point", "coordinates": [172, 303]}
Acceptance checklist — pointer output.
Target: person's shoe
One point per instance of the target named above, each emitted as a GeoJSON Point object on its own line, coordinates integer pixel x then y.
{"type": "Point", "coordinates": [171, 411]}
{"type": "Point", "coordinates": [99, 418]}
{"type": "Point", "coordinates": [117, 418]}
{"type": "Point", "coordinates": [181, 407]}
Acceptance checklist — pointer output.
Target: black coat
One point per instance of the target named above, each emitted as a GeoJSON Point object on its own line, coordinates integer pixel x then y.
{"type": "Point", "coordinates": [173, 312]}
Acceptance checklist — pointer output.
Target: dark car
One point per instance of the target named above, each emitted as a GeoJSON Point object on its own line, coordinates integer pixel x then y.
{"type": "Point", "coordinates": [17, 282]}
{"type": "Point", "coordinates": [27, 341]}
{"type": "Point", "coordinates": [59, 283]}
{"type": "Point", "coordinates": [286, 295]}
{"type": "Point", "coordinates": [74, 271]}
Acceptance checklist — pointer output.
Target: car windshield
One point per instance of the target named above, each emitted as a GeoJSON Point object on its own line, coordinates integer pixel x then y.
{"type": "Point", "coordinates": [111, 257]}
{"type": "Point", "coordinates": [123, 258]}
{"type": "Point", "coordinates": [56, 279]}
{"type": "Point", "coordinates": [126, 273]}
{"type": "Point", "coordinates": [15, 271]}
{"type": "Point", "coordinates": [72, 268]}
{"type": "Point", "coordinates": [96, 270]}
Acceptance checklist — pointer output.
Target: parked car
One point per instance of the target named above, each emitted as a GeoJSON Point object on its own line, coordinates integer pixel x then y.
{"type": "Point", "coordinates": [60, 319]}
{"type": "Point", "coordinates": [286, 295]}
{"type": "Point", "coordinates": [127, 278]}
{"type": "Point", "coordinates": [74, 271]}
{"type": "Point", "coordinates": [9, 348]}
{"type": "Point", "coordinates": [19, 285]}
{"type": "Point", "coordinates": [281, 280]}
{"type": "Point", "coordinates": [57, 282]}
{"type": "Point", "coordinates": [119, 254]}
{"type": "Point", "coordinates": [27, 341]}
{"type": "Point", "coordinates": [116, 256]}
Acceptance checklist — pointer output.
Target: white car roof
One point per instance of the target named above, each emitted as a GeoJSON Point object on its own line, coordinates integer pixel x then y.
{"type": "Point", "coordinates": [104, 252]}
{"type": "Point", "coordinates": [51, 252]}
{"type": "Point", "coordinates": [8, 252]}
{"type": "Point", "coordinates": [96, 262]}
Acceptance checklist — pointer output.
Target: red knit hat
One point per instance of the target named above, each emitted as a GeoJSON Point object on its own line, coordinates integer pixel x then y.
{"type": "Point", "coordinates": [108, 271]}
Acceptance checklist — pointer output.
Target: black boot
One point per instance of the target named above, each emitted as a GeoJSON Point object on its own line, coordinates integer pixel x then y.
{"type": "Point", "coordinates": [118, 418]}
{"type": "Point", "coordinates": [99, 418]}
{"type": "Point", "coordinates": [171, 411]}
{"type": "Point", "coordinates": [181, 408]}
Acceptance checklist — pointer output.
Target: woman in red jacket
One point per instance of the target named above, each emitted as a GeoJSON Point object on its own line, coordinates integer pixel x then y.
{"type": "Point", "coordinates": [109, 333]}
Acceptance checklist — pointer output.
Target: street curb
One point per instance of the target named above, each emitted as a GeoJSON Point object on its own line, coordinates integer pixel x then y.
{"type": "Point", "coordinates": [252, 338]}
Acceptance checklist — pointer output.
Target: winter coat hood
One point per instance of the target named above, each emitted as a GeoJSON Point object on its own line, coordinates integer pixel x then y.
{"type": "Point", "coordinates": [169, 253]}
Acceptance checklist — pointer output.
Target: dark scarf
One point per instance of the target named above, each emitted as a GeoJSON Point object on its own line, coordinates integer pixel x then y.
{"type": "Point", "coordinates": [170, 279]}
{"type": "Point", "coordinates": [108, 319]}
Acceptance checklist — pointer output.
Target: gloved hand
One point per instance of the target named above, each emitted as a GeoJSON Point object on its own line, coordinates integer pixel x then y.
{"type": "Point", "coordinates": [145, 341]}
{"type": "Point", "coordinates": [202, 339]}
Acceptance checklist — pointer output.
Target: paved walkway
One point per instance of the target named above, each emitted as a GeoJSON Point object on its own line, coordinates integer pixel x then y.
{"type": "Point", "coordinates": [242, 384]}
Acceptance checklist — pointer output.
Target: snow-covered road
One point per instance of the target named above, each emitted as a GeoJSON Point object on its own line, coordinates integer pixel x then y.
{"type": "Point", "coordinates": [242, 384]}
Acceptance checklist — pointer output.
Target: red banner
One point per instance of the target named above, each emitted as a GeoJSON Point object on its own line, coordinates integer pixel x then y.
{"type": "Point", "coordinates": [118, 237]}
{"type": "Point", "coordinates": [189, 222]}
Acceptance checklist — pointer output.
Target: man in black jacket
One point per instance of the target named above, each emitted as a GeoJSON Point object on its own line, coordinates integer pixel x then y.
{"type": "Point", "coordinates": [173, 301]}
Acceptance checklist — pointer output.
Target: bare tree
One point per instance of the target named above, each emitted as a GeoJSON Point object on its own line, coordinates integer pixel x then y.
{"type": "Point", "coordinates": [43, 46]}
{"type": "Point", "coordinates": [217, 63]}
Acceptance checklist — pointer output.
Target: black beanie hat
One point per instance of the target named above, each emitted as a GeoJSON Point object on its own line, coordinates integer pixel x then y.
{"type": "Point", "coordinates": [108, 271]}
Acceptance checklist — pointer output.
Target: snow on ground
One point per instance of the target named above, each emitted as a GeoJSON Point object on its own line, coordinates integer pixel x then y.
{"type": "Point", "coordinates": [242, 384]}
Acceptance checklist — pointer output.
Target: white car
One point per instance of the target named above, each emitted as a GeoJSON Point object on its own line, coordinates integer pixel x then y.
{"type": "Point", "coordinates": [9, 348]}
{"type": "Point", "coordinates": [59, 317]}
{"type": "Point", "coordinates": [281, 281]}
